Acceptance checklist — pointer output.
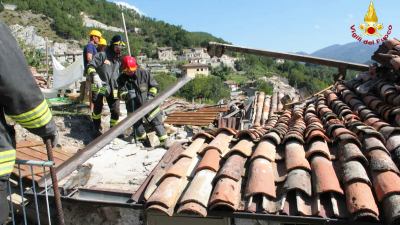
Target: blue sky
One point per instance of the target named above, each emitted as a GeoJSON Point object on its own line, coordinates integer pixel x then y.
{"type": "Point", "coordinates": [285, 25]}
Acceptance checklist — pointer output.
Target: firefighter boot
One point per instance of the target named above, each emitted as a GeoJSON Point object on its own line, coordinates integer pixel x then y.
{"type": "Point", "coordinates": [3, 201]}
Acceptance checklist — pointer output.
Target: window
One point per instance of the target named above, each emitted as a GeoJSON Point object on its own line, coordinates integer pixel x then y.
{"type": "Point", "coordinates": [198, 70]}
{"type": "Point", "coordinates": [201, 69]}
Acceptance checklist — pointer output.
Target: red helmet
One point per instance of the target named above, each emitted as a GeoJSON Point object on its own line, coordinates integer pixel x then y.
{"type": "Point", "coordinates": [129, 65]}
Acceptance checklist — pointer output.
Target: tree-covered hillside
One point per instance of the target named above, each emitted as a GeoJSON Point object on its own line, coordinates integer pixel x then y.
{"type": "Point", "coordinates": [154, 33]}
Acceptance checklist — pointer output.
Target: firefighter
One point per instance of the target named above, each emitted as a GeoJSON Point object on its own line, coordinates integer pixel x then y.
{"type": "Point", "coordinates": [104, 72]}
{"type": "Point", "coordinates": [102, 45]}
{"type": "Point", "coordinates": [137, 86]}
{"type": "Point", "coordinates": [89, 51]}
{"type": "Point", "coordinates": [22, 101]}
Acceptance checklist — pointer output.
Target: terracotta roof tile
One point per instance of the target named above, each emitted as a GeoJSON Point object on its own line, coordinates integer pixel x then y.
{"type": "Point", "coordinates": [260, 179]}
{"type": "Point", "coordinates": [233, 168]}
{"type": "Point", "coordinates": [324, 175]}
{"type": "Point", "coordinates": [360, 199]}
{"type": "Point", "coordinates": [192, 208]}
{"type": "Point", "coordinates": [386, 183]}
{"type": "Point", "coordinates": [244, 147]}
{"type": "Point", "coordinates": [199, 189]}
{"type": "Point", "coordinates": [298, 179]}
{"type": "Point", "coordinates": [381, 161]}
{"type": "Point", "coordinates": [210, 161]}
{"type": "Point", "coordinates": [319, 147]}
{"type": "Point", "coordinates": [354, 171]}
{"type": "Point", "coordinates": [295, 156]}
{"type": "Point", "coordinates": [265, 149]}
{"type": "Point", "coordinates": [226, 194]}
{"type": "Point", "coordinates": [391, 204]}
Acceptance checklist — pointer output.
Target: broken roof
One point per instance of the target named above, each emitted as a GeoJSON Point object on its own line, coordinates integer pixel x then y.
{"type": "Point", "coordinates": [335, 156]}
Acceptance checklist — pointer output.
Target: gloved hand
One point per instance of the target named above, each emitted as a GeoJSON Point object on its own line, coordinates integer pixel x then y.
{"type": "Point", "coordinates": [97, 81]}
{"type": "Point", "coordinates": [150, 96]}
{"type": "Point", "coordinates": [103, 89]}
{"type": "Point", "coordinates": [3, 201]}
{"type": "Point", "coordinates": [53, 139]}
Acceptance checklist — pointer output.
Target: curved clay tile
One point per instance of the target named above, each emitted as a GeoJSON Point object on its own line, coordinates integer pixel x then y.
{"type": "Point", "coordinates": [244, 147]}
{"type": "Point", "coordinates": [221, 141]}
{"type": "Point", "coordinates": [295, 156]}
{"type": "Point", "coordinates": [385, 183]}
{"type": "Point", "coordinates": [391, 206]}
{"type": "Point", "coordinates": [210, 161]}
{"type": "Point", "coordinates": [166, 195]}
{"type": "Point", "coordinates": [203, 135]}
{"type": "Point", "coordinates": [324, 176]}
{"type": "Point", "coordinates": [350, 151]}
{"type": "Point", "coordinates": [381, 161]}
{"type": "Point", "coordinates": [315, 134]}
{"type": "Point", "coordinates": [193, 148]}
{"type": "Point", "coordinates": [354, 171]}
{"type": "Point", "coordinates": [181, 168]}
{"type": "Point", "coordinates": [360, 201]}
{"type": "Point", "coordinates": [233, 168]}
{"type": "Point", "coordinates": [273, 136]}
{"type": "Point", "coordinates": [261, 179]}
{"type": "Point", "coordinates": [298, 179]}
{"type": "Point", "coordinates": [192, 208]}
{"type": "Point", "coordinates": [373, 143]}
{"type": "Point", "coordinates": [318, 147]}
{"type": "Point", "coordinates": [226, 194]}
{"type": "Point", "coordinates": [265, 149]}
{"type": "Point", "coordinates": [199, 189]}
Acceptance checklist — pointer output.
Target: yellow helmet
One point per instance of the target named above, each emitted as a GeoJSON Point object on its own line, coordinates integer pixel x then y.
{"type": "Point", "coordinates": [95, 33]}
{"type": "Point", "coordinates": [103, 41]}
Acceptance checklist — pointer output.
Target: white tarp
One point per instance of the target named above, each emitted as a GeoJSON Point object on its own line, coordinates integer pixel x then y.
{"type": "Point", "coordinates": [65, 76]}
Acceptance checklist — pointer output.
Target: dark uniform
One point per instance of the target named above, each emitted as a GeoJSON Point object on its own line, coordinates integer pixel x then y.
{"type": "Point", "coordinates": [136, 90]}
{"type": "Point", "coordinates": [22, 101]}
{"type": "Point", "coordinates": [106, 65]}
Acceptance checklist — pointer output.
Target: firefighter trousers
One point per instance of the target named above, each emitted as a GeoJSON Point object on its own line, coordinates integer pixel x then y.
{"type": "Point", "coordinates": [113, 104]}
{"type": "Point", "coordinates": [154, 118]}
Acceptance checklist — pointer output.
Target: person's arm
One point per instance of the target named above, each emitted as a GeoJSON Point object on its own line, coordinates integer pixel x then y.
{"type": "Point", "coordinates": [90, 52]}
{"type": "Point", "coordinates": [92, 67]}
{"type": "Point", "coordinates": [153, 85]}
{"type": "Point", "coordinates": [21, 98]}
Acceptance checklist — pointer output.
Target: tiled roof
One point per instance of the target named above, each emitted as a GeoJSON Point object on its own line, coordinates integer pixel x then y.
{"type": "Point", "coordinates": [334, 156]}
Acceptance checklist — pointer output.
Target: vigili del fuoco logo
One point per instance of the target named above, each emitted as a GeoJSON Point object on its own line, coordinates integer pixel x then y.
{"type": "Point", "coordinates": [369, 32]}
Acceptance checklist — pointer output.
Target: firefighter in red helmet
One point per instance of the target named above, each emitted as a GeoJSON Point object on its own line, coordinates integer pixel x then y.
{"type": "Point", "coordinates": [137, 86]}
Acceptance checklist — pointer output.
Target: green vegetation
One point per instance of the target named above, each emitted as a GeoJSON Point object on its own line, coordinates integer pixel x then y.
{"type": "Point", "coordinates": [164, 80]}
{"type": "Point", "coordinates": [208, 88]}
{"type": "Point", "coordinates": [32, 56]}
{"type": "Point", "coordinates": [265, 87]}
{"type": "Point", "coordinates": [68, 24]}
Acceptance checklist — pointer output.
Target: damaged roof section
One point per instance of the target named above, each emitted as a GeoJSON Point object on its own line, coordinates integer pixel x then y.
{"type": "Point", "coordinates": [335, 156]}
{"type": "Point", "coordinates": [202, 117]}
{"type": "Point", "coordinates": [34, 150]}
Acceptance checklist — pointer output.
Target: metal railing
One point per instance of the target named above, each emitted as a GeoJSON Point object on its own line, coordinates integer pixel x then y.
{"type": "Point", "coordinates": [24, 204]}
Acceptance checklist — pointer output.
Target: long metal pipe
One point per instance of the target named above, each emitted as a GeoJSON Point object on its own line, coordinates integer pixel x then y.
{"type": "Point", "coordinates": [289, 56]}
{"type": "Point", "coordinates": [93, 147]}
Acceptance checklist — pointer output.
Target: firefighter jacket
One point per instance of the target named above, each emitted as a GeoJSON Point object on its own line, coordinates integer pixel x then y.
{"type": "Point", "coordinates": [20, 99]}
{"type": "Point", "coordinates": [138, 87]}
{"type": "Point", "coordinates": [107, 65]}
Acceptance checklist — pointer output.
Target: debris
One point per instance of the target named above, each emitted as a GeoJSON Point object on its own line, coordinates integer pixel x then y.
{"type": "Point", "coordinates": [153, 139]}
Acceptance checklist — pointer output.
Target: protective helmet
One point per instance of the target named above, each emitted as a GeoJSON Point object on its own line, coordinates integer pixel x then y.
{"type": "Point", "coordinates": [129, 65]}
{"type": "Point", "coordinates": [103, 42]}
{"type": "Point", "coordinates": [117, 40]}
{"type": "Point", "coordinates": [95, 33]}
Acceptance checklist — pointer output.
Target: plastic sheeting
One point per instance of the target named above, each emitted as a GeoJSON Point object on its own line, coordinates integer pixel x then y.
{"type": "Point", "coordinates": [65, 76]}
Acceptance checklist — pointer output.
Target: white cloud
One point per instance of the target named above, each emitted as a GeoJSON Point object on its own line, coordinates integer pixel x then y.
{"type": "Point", "coordinates": [129, 6]}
